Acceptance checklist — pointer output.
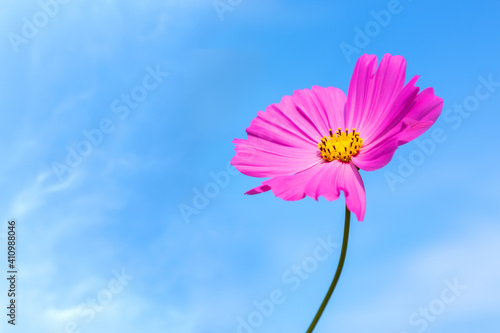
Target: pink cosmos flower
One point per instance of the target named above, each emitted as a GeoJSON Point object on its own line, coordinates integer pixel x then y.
{"type": "Point", "coordinates": [314, 142]}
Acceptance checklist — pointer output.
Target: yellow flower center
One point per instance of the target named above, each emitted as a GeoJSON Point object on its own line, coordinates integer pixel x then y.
{"type": "Point", "coordinates": [341, 146]}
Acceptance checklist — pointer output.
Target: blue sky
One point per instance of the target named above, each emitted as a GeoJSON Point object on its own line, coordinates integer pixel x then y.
{"type": "Point", "coordinates": [116, 115]}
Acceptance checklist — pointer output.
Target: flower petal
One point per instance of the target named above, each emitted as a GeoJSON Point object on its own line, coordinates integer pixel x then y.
{"type": "Point", "coordinates": [268, 160]}
{"type": "Point", "coordinates": [324, 179]}
{"type": "Point", "coordinates": [377, 155]}
{"type": "Point", "coordinates": [386, 113]}
{"type": "Point", "coordinates": [325, 107]}
{"type": "Point", "coordinates": [408, 121]}
{"type": "Point", "coordinates": [258, 190]}
{"type": "Point", "coordinates": [399, 107]}
{"type": "Point", "coordinates": [354, 190]}
{"type": "Point", "coordinates": [318, 180]}
{"type": "Point", "coordinates": [284, 139]}
{"type": "Point", "coordinates": [423, 114]}
{"type": "Point", "coordinates": [372, 92]}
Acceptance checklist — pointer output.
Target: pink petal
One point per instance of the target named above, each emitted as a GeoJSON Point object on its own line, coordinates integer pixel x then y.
{"type": "Point", "coordinates": [354, 191]}
{"type": "Point", "coordinates": [258, 190]}
{"type": "Point", "coordinates": [283, 140]}
{"type": "Point", "coordinates": [324, 179]}
{"type": "Point", "coordinates": [422, 115]}
{"type": "Point", "coordinates": [268, 160]}
{"type": "Point", "coordinates": [384, 112]}
{"type": "Point", "coordinates": [400, 106]}
{"type": "Point", "coordinates": [372, 92]}
{"type": "Point", "coordinates": [293, 187]}
{"type": "Point", "coordinates": [408, 121]}
{"type": "Point", "coordinates": [377, 155]}
{"type": "Point", "coordinates": [325, 107]}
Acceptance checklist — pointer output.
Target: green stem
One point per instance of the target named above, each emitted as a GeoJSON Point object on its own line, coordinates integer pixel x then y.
{"type": "Point", "coordinates": [337, 273]}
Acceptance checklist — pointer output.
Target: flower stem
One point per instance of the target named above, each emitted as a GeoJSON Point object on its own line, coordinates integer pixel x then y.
{"type": "Point", "coordinates": [337, 273]}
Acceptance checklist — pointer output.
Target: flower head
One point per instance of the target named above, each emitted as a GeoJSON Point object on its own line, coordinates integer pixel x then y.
{"type": "Point", "coordinates": [314, 142]}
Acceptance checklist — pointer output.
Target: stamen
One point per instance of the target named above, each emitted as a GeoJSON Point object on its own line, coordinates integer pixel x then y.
{"type": "Point", "coordinates": [350, 142]}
